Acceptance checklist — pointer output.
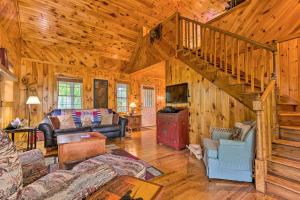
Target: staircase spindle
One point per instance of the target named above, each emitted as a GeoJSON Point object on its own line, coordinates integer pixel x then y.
{"type": "Point", "coordinates": [232, 56]}
{"type": "Point", "coordinates": [225, 48]}
{"type": "Point", "coordinates": [215, 50]}
{"type": "Point", "coordinates": [246, 63]}
{"type": "Point", "coordinates": [221, 51]}
{"type": "Point", "coordinates": [238, 62]}
{"type": "Point", "coordinates": [252, 68]}
{"type": "Point", "coordinates": [211, 46]}
{"type": "Point", "coordinates": [193, 35]}
{"type": "Point", "coordinates": [205, 45]}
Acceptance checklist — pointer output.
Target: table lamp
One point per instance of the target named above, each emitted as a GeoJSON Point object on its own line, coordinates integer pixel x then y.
{"type": "Point", "coordinates": [32, 100]}
{"type": "Point", "coordinates": [132, 107]}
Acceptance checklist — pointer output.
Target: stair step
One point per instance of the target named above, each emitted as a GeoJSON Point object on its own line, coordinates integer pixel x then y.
{"type": "Point", "coordinates": [287, 143]}
{"type": "Point", "coordinates": [289, 118]}
{"type": "Point", "coordinates": [291, 127]}
{"type": "Point", "coordinates": [291, 133]}
{"type": "Point", "coordinates": [285, 151]}
{"type": "Point", "coordinates": [282, 187]}
{"type": "Point", "coordinates": [284, 167]}
{"type": "Point", "coordinates": [285, 161]}
{"type": "Point", "coordinates": [289, 113]}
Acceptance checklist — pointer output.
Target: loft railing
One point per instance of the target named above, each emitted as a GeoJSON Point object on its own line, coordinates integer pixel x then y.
{"type": "Point", "coordinates": [249, 62]}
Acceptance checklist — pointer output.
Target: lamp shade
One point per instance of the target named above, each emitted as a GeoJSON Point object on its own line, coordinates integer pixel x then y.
{"type": "Point", "coordinates": [132, 105]}
{"type": "Point", "coordinates": [33, 100]}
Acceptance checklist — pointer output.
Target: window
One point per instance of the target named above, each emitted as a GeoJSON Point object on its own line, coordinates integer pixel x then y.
{"type": "Point", "coordinates": [69, 94]}
{"type": "Point", "coordinates": [122, 97]}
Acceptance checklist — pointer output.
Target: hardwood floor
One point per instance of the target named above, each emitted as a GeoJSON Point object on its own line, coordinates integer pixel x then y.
{"type": "Point", "coordinates": [184, 177]}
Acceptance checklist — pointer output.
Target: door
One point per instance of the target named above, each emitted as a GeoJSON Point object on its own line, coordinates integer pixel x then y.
{"type": "Point", "coordinates": [148, 106]}
{"type": "Point", "coordinates": [100, 93]}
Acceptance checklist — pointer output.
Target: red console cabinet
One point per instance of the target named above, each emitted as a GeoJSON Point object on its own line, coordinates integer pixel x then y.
{"type": "Point", "coordinates": [173, 129]}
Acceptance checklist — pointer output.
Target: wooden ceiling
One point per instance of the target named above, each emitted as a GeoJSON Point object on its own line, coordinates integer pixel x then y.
{"type": "Point", "coordinates": [109, 28]}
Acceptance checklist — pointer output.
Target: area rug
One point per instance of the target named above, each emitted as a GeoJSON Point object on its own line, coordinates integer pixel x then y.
{"type": "Point", "coordinates": [151, 171]}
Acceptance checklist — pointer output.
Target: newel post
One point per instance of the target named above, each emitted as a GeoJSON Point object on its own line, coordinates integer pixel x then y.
{"type": "Point", "coordinates": [260, 162]}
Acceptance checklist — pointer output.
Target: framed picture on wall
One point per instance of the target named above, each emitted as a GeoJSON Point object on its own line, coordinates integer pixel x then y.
{"type": "Point", "coordinates": [100, 93]}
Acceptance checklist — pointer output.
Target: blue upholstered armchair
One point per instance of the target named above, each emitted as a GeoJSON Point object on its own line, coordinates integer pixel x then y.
{"type": "Point", "coordinates": [229, 159]}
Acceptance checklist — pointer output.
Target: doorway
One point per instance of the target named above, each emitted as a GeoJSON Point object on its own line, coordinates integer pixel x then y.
{"type": "Point", "coordinates": [148, 109]}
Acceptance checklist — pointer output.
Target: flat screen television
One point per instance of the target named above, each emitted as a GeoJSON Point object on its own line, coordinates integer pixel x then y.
{"type": "Point", "coordinates": [177, 93]}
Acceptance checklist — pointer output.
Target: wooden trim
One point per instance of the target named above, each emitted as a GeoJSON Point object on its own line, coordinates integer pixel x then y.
{"type": "Point", "coordinates": [9, 104]}
{"type": "Point", "coordinates": [225, 13]}
{"type": "Point", "coordinates": [290, 37]}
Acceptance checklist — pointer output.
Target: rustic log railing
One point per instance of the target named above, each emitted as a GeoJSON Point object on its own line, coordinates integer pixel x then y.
{"type": "Point", "coordinates": [249, 62]}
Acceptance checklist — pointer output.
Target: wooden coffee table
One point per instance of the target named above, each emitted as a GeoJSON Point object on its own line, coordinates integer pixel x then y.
{"type": "Point", "coordinates": [73, 148]}
{"type": "Point", "coordinates": [119, 186]}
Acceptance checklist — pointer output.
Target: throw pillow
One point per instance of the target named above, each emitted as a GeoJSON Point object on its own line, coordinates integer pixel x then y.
{"type": "Point", "coordinates": [245, 128]}
{"type": "Point", "coordinates": [54, 122]}
{"type": "Point", "coordinates": [86, 120]}
{"type": "Point", "coordinates": [236, 135]}
{"type": "Point", "coordinates": [107, 119]}
{"type": "Point", "coordinates": [11, 177]}
{"type": "Point", "coordinates": [115, 119]}
{"type": "Point", "coordinates": [66, 122]}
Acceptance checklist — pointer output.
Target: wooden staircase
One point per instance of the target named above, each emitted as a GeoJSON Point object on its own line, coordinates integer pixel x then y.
{"type": "Point", "coordinates": [246, 70]}
{"type": "Point", "coordinates": [283, 169]}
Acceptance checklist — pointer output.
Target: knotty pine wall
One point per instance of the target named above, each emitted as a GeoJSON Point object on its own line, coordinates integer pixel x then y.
{"type": "Point", "coordinates": [42, 78]}
{"type": "Point", "coordinates": [289, 52]}
{"type": "Point", "coordinates": [9, 39]}
{"type": "Point", "coordinates": [208, 105]}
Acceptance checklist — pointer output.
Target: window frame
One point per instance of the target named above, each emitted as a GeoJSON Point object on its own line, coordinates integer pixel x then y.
{"type": "Point", "coordinates": [127, 96]}
{"type": "Point", "coordinates": [72, 81]}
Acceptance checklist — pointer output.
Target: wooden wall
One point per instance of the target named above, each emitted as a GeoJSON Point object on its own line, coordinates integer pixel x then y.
{"type": "Point", "coordinates": [208, 105]}
{"type": "Point", "coordinates": [289, 52]}
{"type": "Point", "coordinates": [9, 39]}
{"type": "Point", "coordinates": [42, 79]}
{"type": "Point", "coordinates": [263, 20]}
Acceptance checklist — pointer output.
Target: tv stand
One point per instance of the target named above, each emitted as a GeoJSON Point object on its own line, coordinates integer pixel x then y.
{"type": "Point", "coordinates": [173, 128]}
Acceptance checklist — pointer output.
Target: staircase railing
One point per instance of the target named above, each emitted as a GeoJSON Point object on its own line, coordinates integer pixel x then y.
{"type": "Point", "coordinates": [249, 62]}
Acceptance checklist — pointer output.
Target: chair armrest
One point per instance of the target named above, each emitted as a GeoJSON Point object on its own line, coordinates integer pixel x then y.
{"type": "Point", "coordinates": [123, 123]}
{"type": "Point", "coordinates": [232, 142]}
{"type": "Point", "coordinates": [221, 133]}
{"type": "Point", "coordinates": [48, 134]}
{"type": "Point", "coordinates": [234, 155]}
{"type": "Point", "coordinates": [33, 166]}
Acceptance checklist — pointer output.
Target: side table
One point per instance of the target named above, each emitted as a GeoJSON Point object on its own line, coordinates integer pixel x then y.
{"type": "Point", "coordinates": [31, 135]}
{"type": "Point", "coordinates": [134, 122]}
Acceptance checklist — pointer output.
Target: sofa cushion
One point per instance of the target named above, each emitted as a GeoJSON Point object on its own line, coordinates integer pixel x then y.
{"type": "Point", "coordinates": [122, 165]}
{"type": "Point", "coordinates": [211, 147]}
{"type": "Point", "coordinates": [107, 119]}
{"type": "Point", "coordinates": [72, 130]}
{"type": "Point", "coordinates": [54, 121]}
{"type": "Point", "coordinates": [66, 122]}
{"type": "Point", "coordinates": [65, 184]}
{"type": "Point", "coordinates": [245, 128]}
{"type": "Point", "coordinates": [33, 166]}
{"type": "Point", "coordinates": [10, 168]}
{"type": "Point", "coordinates": [106, 128]}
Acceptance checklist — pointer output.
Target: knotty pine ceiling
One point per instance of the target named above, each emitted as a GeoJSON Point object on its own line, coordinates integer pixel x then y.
{"type": "Point", "coordinates": [109, 27]}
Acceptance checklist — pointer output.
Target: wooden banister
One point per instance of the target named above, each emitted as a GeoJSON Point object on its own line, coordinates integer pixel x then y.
{"type": "Point", "coordinates": [269, 89]}
{"type": "Point", "coordinates": [245, 39]}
